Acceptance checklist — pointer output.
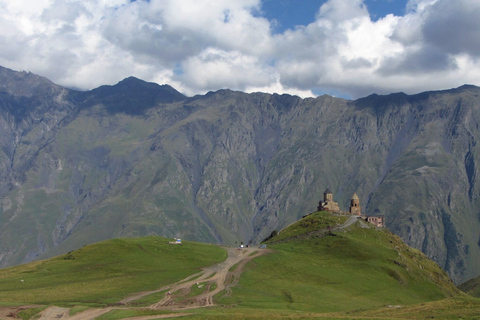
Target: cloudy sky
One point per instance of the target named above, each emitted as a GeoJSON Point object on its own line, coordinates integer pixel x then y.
{"type": "Point", "coordinates": [346, 48]}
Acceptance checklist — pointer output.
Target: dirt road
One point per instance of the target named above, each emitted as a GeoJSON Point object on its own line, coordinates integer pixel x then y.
{"type": "Point", "coordinates": [214, 279]}
{"type": "Point", "coordinates": [179, 296]}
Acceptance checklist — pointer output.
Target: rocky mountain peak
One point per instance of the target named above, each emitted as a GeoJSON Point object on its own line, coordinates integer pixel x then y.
{"type": "Point", "coordinates": [132, 96]}
{"type": "Point", "coordinates": [24, 84]}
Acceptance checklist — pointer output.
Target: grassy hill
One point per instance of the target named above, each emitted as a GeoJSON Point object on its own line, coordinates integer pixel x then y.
{"type": "Point", "coordinates": [105, 272]}
{"type": "Point", "coordinates": [360, 267]}
{"type": "Point", "coordinates": [472, 287]}
{"type": "Point", "coordinates": [316, 268]}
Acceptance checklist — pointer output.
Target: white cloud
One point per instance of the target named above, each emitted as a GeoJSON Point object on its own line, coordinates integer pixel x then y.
{"type": "Point", "coordinates": [454, 27]}
{"type": "Point", "coordinates": [215, 68]}
{"type": "Point", "coordinates": [345, 50]}
{"type": "Point", "coordinates": [198, 46]}
{"type": "Point", "coordinates": [341, 11]}
{"type": "Point", "coordinates": [419, 6]}
{"type": "Point", "coordinates": [277, 87]}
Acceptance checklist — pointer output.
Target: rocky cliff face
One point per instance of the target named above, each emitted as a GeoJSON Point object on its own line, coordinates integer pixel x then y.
{"type": "Point", "coordinates": [137, 158]}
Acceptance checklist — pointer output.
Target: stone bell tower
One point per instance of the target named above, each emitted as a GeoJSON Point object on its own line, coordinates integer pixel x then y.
{"type": "Point", "coordinates": [355, 205]}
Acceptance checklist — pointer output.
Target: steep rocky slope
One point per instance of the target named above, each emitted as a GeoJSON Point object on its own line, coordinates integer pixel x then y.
{"type": "Point", "coordinates": [137, 158]}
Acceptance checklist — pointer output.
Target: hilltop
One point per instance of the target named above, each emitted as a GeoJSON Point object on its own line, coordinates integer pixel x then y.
{"type": "Point", "coordinates": [340, 267]}
{"type": "Point", "coordinates": [349, 269]}
{"type": "Point", "coordinates": [136, 159]}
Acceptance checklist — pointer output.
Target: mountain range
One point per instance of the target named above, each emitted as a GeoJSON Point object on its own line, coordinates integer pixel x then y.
{"type": "Point", "coordinates": [137, 158]}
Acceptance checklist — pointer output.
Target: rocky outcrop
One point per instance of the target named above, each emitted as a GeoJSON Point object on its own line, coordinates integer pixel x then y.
{"type": "Point", "coordinates": [137, 158]}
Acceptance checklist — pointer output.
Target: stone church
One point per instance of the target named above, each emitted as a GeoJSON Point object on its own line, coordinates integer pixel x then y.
{"type": "Point", "coordinates": [328, 204]}
{"type": "Point", "coordinates": [355, 209]}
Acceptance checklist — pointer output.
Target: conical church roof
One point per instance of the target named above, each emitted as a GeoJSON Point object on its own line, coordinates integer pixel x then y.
{"type": "Point", "coordinates": [328, 191]}
{"type": "Point", "coordinates": [355, 197]}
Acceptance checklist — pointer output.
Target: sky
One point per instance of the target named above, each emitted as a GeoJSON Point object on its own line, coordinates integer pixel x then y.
{"type": "Point", "coordinates": [345, 48]}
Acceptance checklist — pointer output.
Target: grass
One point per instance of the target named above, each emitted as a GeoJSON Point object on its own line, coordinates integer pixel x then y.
{"type": "Point", "coordinates": [251, 314]}
{"type": "Point", "coordinates": [30, 312]}
{"type": "Point", "coordinates": [233, 268]}
{"type": "Point", "coordinates": [472, 287]}
{"type": "Point", "coordinates": [355, 270]}
{"type": "Point", "coordinates": [148, 300]}
{"type": "Point", "coordinates": [354, 273]}
{"type": "Point", "coordinates": [316, 221]}
{"type": "Point", "coordinates": [106, 272]}
{"type": "Point", "coordinates": [128, 313]}
{"type": "Point", "coordinates": [77, 309]}
{"type": "Point", "coordinates": [195, 290]}
{"type": "Point", "coordinates": [460, 307]}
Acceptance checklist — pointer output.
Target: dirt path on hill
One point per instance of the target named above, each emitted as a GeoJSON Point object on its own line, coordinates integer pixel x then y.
{"type": "Point", "coordinates": [207, 277]}
{"type": "Point", "coordinates": [63, 313]}
{"type": "Point", "coordinates": [12, 312]}
{"type": "Point", "coordinates": [351, 220]}
{"type": "Point", "coordinates": [54, 313]}
{"type": "Point", "coordinates": [214, 279]}
{"type": "Point", "coordinates": [206, 283]}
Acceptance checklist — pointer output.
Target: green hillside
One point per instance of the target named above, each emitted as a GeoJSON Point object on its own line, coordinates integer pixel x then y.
{"type": "Point", "coordinates": [319, 267]}
{"type": "Point", "coordinates": [360, 267]}
{"type": "Point", "coordinates": [472, 287]}
{"type": "Point", "coordinates": [105, 272]}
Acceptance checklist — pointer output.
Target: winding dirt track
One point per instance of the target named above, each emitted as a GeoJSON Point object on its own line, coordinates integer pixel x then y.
{"type": "Point", "coordinates": [218, 274]}
{"type": "Point", "coordinates": [212, 280]}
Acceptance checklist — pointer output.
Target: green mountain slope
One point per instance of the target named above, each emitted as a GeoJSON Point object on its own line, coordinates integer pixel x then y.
{"type": "Point", "coordinates": [105, 272]}
{"type": "Point", "coordinates": [328, 270]}
{"type": "Point", "coordinates": [137, 159]}
{"type": "Point", "coordinates": [472, 287]}
{"type": "Point", "coordinates": [360, 267]}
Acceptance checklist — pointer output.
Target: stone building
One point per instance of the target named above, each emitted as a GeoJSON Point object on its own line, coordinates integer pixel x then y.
{"type": "Point", "coordinates": [355, 208]}
{"type": "Point", "coordinates": [328, 204]}
{"type": "Point", "coordinates": [378, 221]}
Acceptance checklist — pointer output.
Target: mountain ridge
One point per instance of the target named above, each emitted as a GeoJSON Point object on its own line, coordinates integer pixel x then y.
{"type": "Point", "coordinates": [228, 166]}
